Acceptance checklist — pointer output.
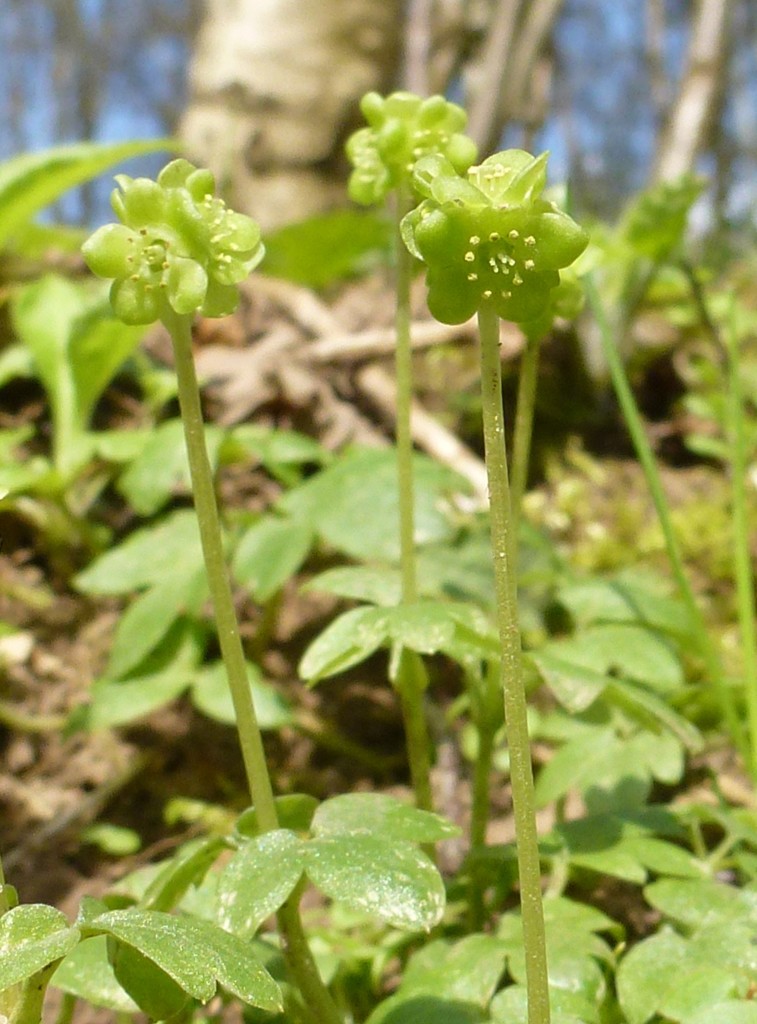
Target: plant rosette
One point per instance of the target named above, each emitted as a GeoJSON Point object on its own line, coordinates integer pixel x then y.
{"type": "Point", "coordinates": [403, 128]}
{"type": "Point", "coordinates": [177, 250]}
{"type": "Point", "coordinates": [490, 239]}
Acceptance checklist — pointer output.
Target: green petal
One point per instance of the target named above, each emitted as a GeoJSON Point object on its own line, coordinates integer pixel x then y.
{"type": "Point", "coordinates": [242, 233]}
{"type": "Point", "coordinates": [142, 201]}
{"type": "Point", "coordinates": [187, 284]}
{"type": "Point", "coordinates": [175, 173]}
{"type": "Point", "coordinates": [188, 222]}
{"type": "Point", "coordinates": [529, 300]}
{"type": "Point", "coordinates": [450, 300]}
{"type": "Point", "coordinates": [220, 299]}
{"type": "Point", "coordinates": [133, 303]}
{"type": "Point", "coordinates": [106, 251]}
{"type": "Point", "coordinates": [559, 240]}
{"type": "Point", "coordinates": [442, 238]}
{"type": "Point", "coordinates": [200, 184]}
{"type": "Point", "coordinates": [461, 152]}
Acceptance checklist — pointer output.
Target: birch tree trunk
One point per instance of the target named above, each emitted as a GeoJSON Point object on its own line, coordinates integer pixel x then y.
{"type": "Point", "coordinates": [698, 95]}
{"type": "Point", "coordinates": [274, 86]}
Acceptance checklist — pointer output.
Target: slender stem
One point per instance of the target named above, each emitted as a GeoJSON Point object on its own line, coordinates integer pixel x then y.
{"type": "Point", "coordinates": [66, 1011]}
{"type": "Point", "coordinates": [524, 422]}
{"type": "Point", "coordinates": [411, 684]}
{"type": "Point", "coordinates": [516, 723]}
{"type": "Point", "coordinates": [28, 1009]}
{"type": "Point", "coordinates": [741, 554]}
{"type": "Point", "coordinates": [699, 630]}
{"type": "Point", "coordinates": [299, 956]}
{"type": "Point", "coordinates": [250, 739]}
{"type": "Point", "coordinates": [411, 676]}
{"type": "Point", "coordinates": [302, 965]}
{"type": "Point", "coordinates": [403, 365]}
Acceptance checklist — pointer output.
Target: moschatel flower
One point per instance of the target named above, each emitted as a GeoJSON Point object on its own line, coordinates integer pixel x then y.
{"type": "Point", "coordinates": [178, 248]}
{"type": "Point", "coordinates": [490, 238]}
{"type": "Point", "coordinates": [402, 128]}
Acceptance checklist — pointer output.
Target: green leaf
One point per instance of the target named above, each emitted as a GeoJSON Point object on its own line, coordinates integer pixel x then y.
{"type": "Point", "coordinates": [625, 598]}
{"type": "Point", "coordinates": [295, 812]}
{"type": "Point", "coordinates": [258, 879]}
{"type": "Point", "coordinates": [76, 353]}
{"type": "Point", "coordinates": [393, 881]}
{"type": "Point", "coordinates": [679, 977]}
{"type": "Point", "coordinates": [465, 971]}
{"type": "Point", "coordinates": [150, 616]}
{"type": "Point", "coordinates": [195, 954]}
{"type": "Point", "coordinates": [211, 695]}
{"type": "Point", "coordinates": [353, 503]}
{"type": "Point", "coordinates": [575, 686]}
{"type": "Point", "coordinates": [161, 470]}
{"type": "Point", "coordinates": [153, 990]}
{"type": "Point", "coordinates": [167, 673]}
{"type": "Point", "coordinates": [425, 1009]}
{"type": "Point", "coordinates": [269, 554]}
{"type": "Point", "coordinates": [147, 556]}
{"type": "Point", "coordinates": [87, 973]}
{"type": "Point", "coordinates": [510, 1006]}
{"type": "Point", "coordinates": [648, 972]}
{"type": "Point", "coordinates": [115, 840]}
{"type": "Point", "coordinates": [372, 584]}
{"type": "Point", "coordinates": [695, 904]}
{"type": "Point", "coordinates": [328, 247]}
{"type": "Point", "coordinates": [188, 867]}
{"type": "Point", "coordinates": [31, 181]}
{"type": "Point", "coordinates": [619, 846]}
{"type": "Point", "coordinates": [283, 452]}
{"type": "Point", "coordinates": [380, 815]}
{"type": "Point", "coordinates": [348, 639]}
{"type": "Point", "coordinates": [625, 651]}
{"type": "Point", "coordinates": [731, 1011]}
{"type": "Point", "coordinates": [32, 936]}
{"type": "Point", "coordinates": [610, 768]}
{"type": "Point", "coordinates": [575, 953]}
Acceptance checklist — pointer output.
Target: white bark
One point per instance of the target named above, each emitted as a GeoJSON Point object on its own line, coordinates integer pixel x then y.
{"type": "Point", "coordinates": [697, 97]}
{"type": "Point", "coordinates": [274, 91]}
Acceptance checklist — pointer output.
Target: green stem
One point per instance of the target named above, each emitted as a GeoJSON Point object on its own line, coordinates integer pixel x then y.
{"type": "Point", "coordinates": [516, 722]}
{"type": "Point", "coordinates": [66, 1011]}
{"type": "Point", "coordinates": [403, 365]}
{"type": "Point", "coordinates": [700, 632]}
{"type": "Point", "coordinates": [486, 699]}
{"type": "Point", "coordinates": [28, 1009]}
{"type": "Point", "coordinates": [250, 738]}
{"type": "Point", "coordinates": [411, 675]}
{"type": "Point", "coordinates": [524, 423]}
{"type": "Point", "coordinates": [5, 905]}
{"type": "Point", "coordinates": [300, 960]}
{"type": "Point", "coordinates": [299, 956]}
{"type": "Point", "coordinates": [741, 553]}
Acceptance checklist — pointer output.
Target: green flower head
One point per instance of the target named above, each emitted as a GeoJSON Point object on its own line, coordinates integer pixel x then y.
{"type": "Point", "coordinates": [402, 128]}
{"type": "Point", "coordinates": [490, 237]}
{"type": "Point", "coordinates": [178, 248]}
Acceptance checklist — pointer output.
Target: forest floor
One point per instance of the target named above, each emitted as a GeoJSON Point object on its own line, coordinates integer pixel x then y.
{"type": "Point", "coordinates": [56, 779]}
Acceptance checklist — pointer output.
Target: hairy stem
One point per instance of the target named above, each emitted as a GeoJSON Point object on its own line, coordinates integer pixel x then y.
{"type": "Point", "coordinates": [250, 739]}
{"type": "Point", "coordinates": [487, 719]}
{"type": "Point", "coordinates": [299, 956]}
{"type": "Point", "coordinates": [516, 723]}
{"type": "Point", "coordinates": [524, 423]}
{"type": "Point", "coordinates": [741, 553]}
{"type": "Point", "coordinates": [411, 675]}
{"type": "Point", "coordinates": [632, 416]}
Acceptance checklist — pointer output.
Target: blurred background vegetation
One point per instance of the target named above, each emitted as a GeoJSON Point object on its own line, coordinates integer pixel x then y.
{"type": "Point", "coordinates": [622, 93]}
